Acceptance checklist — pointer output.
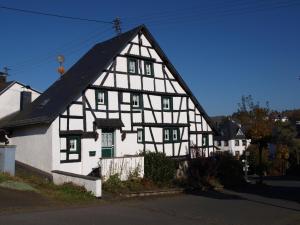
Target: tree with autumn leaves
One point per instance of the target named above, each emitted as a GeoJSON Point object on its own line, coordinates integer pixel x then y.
{"type": "Point", "coordinates": [261, 127]}
{"type": "Point", "coordinates": [258, 125]}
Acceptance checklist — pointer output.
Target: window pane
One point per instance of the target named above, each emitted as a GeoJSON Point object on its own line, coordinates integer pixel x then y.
{"type": "Point", "coordinates": [237, 142]}
{"type": "Point", "coordinates": [101, 98]}
{"type": "Point", "coordinates": [140, 135]}
{"type": "Point", "coordinates": [148, 68]}
{"type": "Point", "coordinates": [175, 135]}
{"type": "Point", "coordinates": [167, 135]}
{"type": "Point", "coordinates": [132, 66]}
{"type": "Point", "coordinates": [73, 145]}
{"type": "Point", "coordinates": [166, 103]}
{"type": "Point", "coordinates": [136, 100]}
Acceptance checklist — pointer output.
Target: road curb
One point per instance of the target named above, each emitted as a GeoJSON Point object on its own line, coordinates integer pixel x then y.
{"type": "Point", "coordinates": [153, 193]}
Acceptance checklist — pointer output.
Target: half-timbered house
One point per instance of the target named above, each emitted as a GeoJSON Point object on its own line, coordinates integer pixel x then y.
{"type": "Point", "coordinates": [122, 97]}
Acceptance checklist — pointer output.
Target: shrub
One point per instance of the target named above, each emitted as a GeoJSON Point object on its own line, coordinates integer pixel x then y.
{"type": "Point", "coordinates": [113, 184]}
{"type": "Point", "coordinates": [158, 167]}
{"type": "Point", "coordinates": [201, 171]}
{"type": "Point", "coordinates": [210, 172]}
{"type": "Point", "coordinates": [230, 171]}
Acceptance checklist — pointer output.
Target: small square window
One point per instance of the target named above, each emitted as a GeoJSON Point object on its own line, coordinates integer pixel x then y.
{"type": "Point", "coordinates": [166, 103]}
{"type": "Point", "coordinates": [140, 135]}
{"type": "Point", "coordinates": [237, 143]}
{"type": "Point", "coordinates": [244, 142]}
{"type": "Point", "coordinates": [136, 100]}
{"type": "Point", "coordinates": [132, 66]}
{"type": "Point", "coordinates": [73, 145]}
{"type": "Point", "coordinates": [148, 68]}
{"type": "Point", "coordinates": [225, 143]}
{"type": "Point", "coordinates": [219, 143]}
{"type": "Point", "coordinates": [101, 98]}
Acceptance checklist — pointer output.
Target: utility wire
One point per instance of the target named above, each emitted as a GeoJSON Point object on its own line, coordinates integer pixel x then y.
{"type": "Point", "coordinates": [191, 18]}
{"type": "Point", "coordinates": [54, 15]}
{"type": "Point", "coordinates": [51, 57]}
{"type": "Point", "coordinates": [61, 49]}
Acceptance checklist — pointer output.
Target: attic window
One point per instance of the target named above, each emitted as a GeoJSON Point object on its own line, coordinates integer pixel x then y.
{"type": "Point", "coordinates": [149, 68]}
{"type": "Point", "coordinates": [132, 65]}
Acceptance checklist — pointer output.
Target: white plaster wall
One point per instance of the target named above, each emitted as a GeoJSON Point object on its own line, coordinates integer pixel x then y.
{"type": "Point", "coordinates": [34, 146]}
{"type": "Point", "coordinates": [10, 99]}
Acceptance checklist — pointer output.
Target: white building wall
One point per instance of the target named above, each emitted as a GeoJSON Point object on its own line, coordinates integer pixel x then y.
{"type": "Point", "coordinates": [10, 99]}
{"type": "Point", "coordinates": [34, 146]}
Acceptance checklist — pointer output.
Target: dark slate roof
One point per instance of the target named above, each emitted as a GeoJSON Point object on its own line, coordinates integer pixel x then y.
{"type": "Point", "coordinates": [228, 130]}
{"type": "Point", "coordinates": [70, 86]}
{"type": "Point", "coordinates": [109, 123]}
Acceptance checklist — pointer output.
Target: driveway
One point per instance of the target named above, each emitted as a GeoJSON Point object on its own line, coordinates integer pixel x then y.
{"type": "Point", "coordinates": [228, 208]}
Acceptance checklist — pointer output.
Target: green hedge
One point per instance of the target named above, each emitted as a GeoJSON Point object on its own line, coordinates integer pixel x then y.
{"type": "Point", "coordinates": [158, 167]}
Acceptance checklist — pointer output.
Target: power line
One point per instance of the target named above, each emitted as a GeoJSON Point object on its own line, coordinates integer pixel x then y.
{"type": "Point", "coordinates": [199, 17]}
{"type": "Point", "coordinates": [54, 15]}
{"type": "Point", "coordinates": [51, 57]}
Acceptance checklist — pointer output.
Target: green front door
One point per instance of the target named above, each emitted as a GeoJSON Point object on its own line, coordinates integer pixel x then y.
{"type": "Point", "coordinates": [107, 144]}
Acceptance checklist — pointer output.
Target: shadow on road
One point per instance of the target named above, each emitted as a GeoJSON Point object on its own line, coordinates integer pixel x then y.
{"type": "Point", "coordinates": [271, 193]}
{"type": "Point", "coordinates": [275, 188]}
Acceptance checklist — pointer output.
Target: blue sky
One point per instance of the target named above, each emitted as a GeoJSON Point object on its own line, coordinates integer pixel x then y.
{"type": "Point", "coordinates": [223, 49]}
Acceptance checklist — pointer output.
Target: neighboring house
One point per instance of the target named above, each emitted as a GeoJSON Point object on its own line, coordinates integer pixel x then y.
{"type": "Point", "coordinates": [231, 138]}
{"type": "Point", "coordinates": [14, 96]}
{"type": "Point", "coordinates": [122, 97]}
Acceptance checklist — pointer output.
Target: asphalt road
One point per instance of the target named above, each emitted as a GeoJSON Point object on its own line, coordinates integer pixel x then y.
{"type": "Point", "coordinates": [278, 204]}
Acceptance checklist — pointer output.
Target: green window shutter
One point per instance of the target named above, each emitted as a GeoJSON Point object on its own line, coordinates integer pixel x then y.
{"type": "Point", "coordinates": [106, 98]}
{"type": "Point", "coordinates": [171, 103]}
{"type": "Point", "coordinates": [141, 101]}
{"type": "Point", "coordinates": [96, 99]}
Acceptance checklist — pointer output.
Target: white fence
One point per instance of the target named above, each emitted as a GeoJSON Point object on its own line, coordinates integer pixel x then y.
{"type": "Point", "coordinates": [123, 166]}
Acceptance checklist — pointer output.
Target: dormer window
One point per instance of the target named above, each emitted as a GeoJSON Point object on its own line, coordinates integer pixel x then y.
{"type": "Point", "coordinates": [149, 68]}
{"type": "Point", "coordinates": [132, 66]}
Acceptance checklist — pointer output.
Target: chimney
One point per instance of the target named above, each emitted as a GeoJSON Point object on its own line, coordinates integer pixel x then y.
{"type": "Point", "coordinates": [25, 99]}
{"type": "Point", "coordinates": [2, 78]}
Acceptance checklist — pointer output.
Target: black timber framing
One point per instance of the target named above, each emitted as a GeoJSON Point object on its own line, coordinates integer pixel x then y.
{"type": "Point", "coordinates": [139, 91]}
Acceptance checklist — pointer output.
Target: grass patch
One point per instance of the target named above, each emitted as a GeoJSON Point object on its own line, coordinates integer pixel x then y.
{"type": "Point", "coordinates": [115, 186]}
{"type": "Point", "coordinates": [16, 185]}
{"type": "Point", "coordinates": [5, 177]}
{"type": "Point", "coordinates": [66, 193]}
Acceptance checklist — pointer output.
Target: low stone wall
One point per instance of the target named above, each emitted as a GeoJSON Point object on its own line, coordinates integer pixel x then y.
{"type": "Point", "coordinates": [7, 159]}
{"type": "Point", "coordinates": [124, 166]}
{"type": "Point", "coordinates": [92, 184]}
